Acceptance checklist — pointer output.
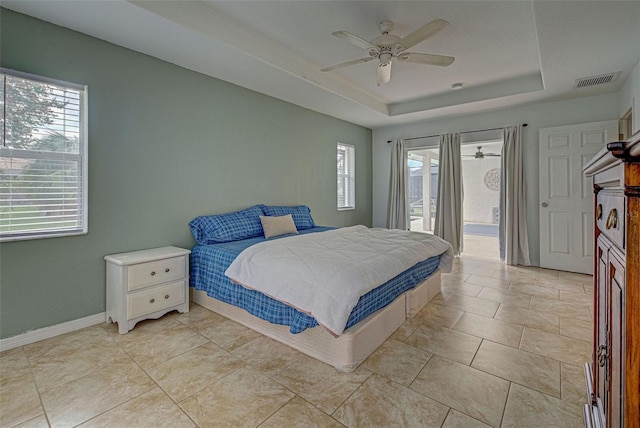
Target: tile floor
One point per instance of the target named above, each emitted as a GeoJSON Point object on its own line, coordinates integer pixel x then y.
{"type": "Point", "coordinates": [500, 346]}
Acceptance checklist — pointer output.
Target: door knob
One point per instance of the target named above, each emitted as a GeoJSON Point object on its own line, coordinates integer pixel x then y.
{"type": "Point", "coordinates": [544, 204]}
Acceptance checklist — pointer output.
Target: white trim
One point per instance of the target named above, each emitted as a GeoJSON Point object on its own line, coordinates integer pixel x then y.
{"type": "Point", "coordinates": [43, 79]}
{"type": "Point", "coordinates": [51, 331]}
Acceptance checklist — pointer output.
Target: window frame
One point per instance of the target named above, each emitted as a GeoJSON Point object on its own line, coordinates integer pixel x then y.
{"type": "Point", "coordinates": [81, 158]}
{"type": "Point", "coordinates": [348, 177]}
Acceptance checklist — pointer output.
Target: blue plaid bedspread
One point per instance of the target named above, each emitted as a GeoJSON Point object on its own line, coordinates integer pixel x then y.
{"type": "Point", "coordinates": [209, 262]}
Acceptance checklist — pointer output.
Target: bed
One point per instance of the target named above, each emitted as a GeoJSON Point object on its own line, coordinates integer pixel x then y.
{"type": "Point", "coordinates": [222, 240]}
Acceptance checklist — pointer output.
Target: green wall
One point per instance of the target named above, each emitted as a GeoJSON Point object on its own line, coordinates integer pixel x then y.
{"type": "Point", "coordinates": [165, 145]}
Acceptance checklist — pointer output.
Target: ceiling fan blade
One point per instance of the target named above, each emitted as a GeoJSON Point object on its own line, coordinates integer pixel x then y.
{"type": "Point", "coordinates": [355, 40]}
{"type": "Point", "coordinates": [347, 64]}
{"type": "Point", "coordinates": [423, 33]}
{"type": "Point", "coordinates": [421, 58]}
{"type": "Point", "coordinates": [384, 73]}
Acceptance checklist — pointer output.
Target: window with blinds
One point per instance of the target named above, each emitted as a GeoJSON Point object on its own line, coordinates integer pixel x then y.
{"type": "Point", "coordinates": [346, 177]}
{"type": "Point", "coordinates": [43, 157]}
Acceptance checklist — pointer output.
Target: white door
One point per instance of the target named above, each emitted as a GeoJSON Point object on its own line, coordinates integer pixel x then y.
{"type": "Point", "coordinates": [566, 196]}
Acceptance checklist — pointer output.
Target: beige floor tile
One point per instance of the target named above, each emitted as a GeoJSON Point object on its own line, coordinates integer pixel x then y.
{"type": "Point", "coordinates": [13, 362]}
{"type": "Point", "coordinates": [577, 328]}
{"type": "Point", "coordinates": [397, 361]}
{"type": "Point", "coordinates": [186, 374]}
{"type": "Point", "coordinates": [561, 284]}
{"type": "Point", "coordinates": [267, 355]}
{"type": "Point", "coordinates": [299, 413]}
{"type": "Point", "coordinates": [540, 273]}
{"type": "Point", "coordinates": [37, 422]}
{"type": "Point", "coordinates": [408, 327]}
{"type": "Point", "coordinates": [244, 398]}
{"type": "Point", "coordinates": [505, 296]}
{"type": "Point", "coordinates": [64, 367]}
{"type": "Point", "coordinates": [447, 343]}
{"type": "Point", "coordinates": [533, 290]}
{"type": "Point", "coordinates": [67, 344]}
{"type": "Point", "coordinates": [157, 348]}
{"type": "Point", "coordinates": [559, 308]}
{"type": "Point", "coordinates": [455, 276]}
{"type": "Point", "coordinates": [573, 384]}
{"type": "Point", "coordinates": [528, 408]}
{"type": "Point", "coordinates": [199, 317]}
{"type": "Point", "coordinates": [483, 281]}
{"type": "Point", "coordinates": [561, 348]}
{"type": "Point", "coordinates": [477, 270]}
{"type": "Point", "coordinates": [229, 334]}
{"type": "Point", "coordinates": [380, 402]}
{"type": "Point", "coordinates": [577, 297]}
{"type": "Point", "coordinates": [19, 401]}
{"type": "Point", "coordinates": [455, 419]}
{"type": "Point", "coordinates": [513, 275]}
{"type": "Point", "coordinates": [439, 315]}
{"type": "Point", "coordinates": [579, 277]}
{"type": "Point", "coordinates": [489, 328]}
{"type": "Point", "coordinates": [151, 409]}
{"type": "Point", "coordinates": [534, 371]}
{"type": "Point", "coordinates": [482, 307]}
{"type": "Point", "coordinates": [464, 289]}
{"type": "Point", "coordinates": [470, 391]}
{"type": "Point", "coordinates": [529, 318]}
{"type": "Point", "coordinates": [84, 398]}
{"type": "Point", "coordinates": [318, 383]}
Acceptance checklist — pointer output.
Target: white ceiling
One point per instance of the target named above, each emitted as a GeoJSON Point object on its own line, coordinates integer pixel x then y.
{"type": "Point", "coordinates": [507, 52]}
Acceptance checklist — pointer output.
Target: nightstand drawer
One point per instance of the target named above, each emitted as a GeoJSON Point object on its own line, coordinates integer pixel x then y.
{"type": "Point", "coordinates": [155, 299]}
{"type": "Point", "coordinates": [156, 272]}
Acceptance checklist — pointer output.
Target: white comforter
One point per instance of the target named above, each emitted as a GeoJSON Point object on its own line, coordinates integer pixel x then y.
{"type": "Point", "coordinates": [324, 274]}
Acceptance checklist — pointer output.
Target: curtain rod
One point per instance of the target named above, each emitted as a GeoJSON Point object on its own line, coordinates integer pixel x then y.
{"type": "Point", "coordinates": [463, 132]}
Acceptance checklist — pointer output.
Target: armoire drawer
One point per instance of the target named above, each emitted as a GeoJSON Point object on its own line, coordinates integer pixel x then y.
{"type": "Point", "coordinates": [610, 217]}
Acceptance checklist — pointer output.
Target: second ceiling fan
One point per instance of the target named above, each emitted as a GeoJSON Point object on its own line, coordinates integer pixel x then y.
{"type": "Point", "coordinates": [388, 47]}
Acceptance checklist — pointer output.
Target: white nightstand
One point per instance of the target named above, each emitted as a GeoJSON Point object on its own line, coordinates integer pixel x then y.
{"type": "Point", "coordinates": [146, 284]}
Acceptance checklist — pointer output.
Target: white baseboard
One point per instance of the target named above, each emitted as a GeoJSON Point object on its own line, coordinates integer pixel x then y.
{"type": "Point", "coordinates": [52, 331]}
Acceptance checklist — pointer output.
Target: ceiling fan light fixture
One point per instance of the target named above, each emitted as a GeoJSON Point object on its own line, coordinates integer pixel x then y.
{"type": "Point", "coordinates": [385, 58]}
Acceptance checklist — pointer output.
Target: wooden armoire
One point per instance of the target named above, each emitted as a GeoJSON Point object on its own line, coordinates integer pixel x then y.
{"type": "Point", "coordinates": [613, 376]}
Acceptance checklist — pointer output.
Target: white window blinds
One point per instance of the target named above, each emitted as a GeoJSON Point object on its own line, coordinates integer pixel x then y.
{"type": "Point", "coordinates": [346, 177]}
{"type": "Point", "coordinates": [43, 168]}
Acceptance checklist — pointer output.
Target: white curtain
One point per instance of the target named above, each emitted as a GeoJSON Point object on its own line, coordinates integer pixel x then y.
{"type": "Point", "coordinates": [397, 210]}
{"type": "Point", "coordinates": [449, 201]}
{"type": "Point", "coordinates": [514, 245]}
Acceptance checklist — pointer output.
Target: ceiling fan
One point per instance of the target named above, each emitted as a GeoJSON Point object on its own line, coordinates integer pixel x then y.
{"type": "Point", "coordinates": [480, 155]}
{"type": "Point", "coordinates": [388, 47]}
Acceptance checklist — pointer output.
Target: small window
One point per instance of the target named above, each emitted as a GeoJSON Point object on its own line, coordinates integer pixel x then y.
{"type": "Point", "coordinates": [346, 177]}
{"type": "Point", "coordinates": [43, 157]}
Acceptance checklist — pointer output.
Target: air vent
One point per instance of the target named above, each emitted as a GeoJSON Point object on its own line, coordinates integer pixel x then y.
{"type": "Point", "coordinates": [595, 80]}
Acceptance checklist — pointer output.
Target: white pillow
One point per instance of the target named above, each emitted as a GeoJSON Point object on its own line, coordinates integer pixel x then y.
{"type": "Point", "coordinates": [277, 225]}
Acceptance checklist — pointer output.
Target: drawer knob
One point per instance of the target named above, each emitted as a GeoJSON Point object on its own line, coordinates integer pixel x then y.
{"type": "Point", "coordinates": [153, 273]}
{"type": "Point", "coordinates": [152, 300]}
{"type": "Point", "coordinates": [599, 212]}
{"type": "Point", "coordinates": [167, 270]}
{"type": "Point", "coordinates": [166, 296]}
{"type": "Point", "coordinates": [612, 219]}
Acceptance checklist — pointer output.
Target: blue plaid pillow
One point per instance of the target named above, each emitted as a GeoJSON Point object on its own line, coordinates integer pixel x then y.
{"type": "Point", "coordinates": [301, 214]}
{"type": "Point", "coordinates": [228, 227]}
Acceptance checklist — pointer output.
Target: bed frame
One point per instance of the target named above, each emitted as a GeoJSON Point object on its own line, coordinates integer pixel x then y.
{"type": "Point", "coordinates": [354, 345]}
